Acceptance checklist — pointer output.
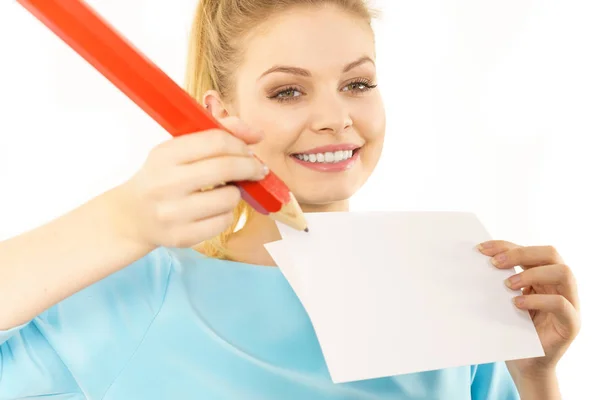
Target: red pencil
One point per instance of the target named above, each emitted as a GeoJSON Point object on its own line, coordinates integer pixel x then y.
{"type": "Point", "coordinates": [86, 32]}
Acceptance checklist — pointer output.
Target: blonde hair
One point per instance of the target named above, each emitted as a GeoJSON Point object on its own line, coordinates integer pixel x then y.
{"type": "Point", "coordinates": [215, 50]}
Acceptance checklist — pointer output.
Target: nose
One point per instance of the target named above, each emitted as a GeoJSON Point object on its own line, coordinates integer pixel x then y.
{"type": "Point", "coordinates": [330, 115]}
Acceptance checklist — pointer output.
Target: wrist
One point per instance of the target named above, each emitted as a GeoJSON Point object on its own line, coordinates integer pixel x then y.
{"type": "Point", "coordinates": [124, 217]}
{"type": "Point", "coordinates": [542, 385]}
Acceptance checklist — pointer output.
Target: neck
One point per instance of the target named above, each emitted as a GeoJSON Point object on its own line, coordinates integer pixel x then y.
{"type": "Point", "coordinates": [246, 245]}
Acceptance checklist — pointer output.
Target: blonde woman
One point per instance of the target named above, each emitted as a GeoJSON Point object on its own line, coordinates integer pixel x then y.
{"type": "Point", "coordinates": [149, 292]}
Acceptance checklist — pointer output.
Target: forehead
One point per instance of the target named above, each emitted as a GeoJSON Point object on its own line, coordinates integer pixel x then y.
{"type": "Point", "coordinates": [315, 38]}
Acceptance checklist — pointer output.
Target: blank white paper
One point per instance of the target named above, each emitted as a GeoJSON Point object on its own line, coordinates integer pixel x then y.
{"type": "Point", "coordinates": [392, 293]}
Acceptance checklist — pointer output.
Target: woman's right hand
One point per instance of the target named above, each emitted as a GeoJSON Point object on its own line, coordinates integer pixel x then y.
{"type": "Point", "coordinates": [165, 201]}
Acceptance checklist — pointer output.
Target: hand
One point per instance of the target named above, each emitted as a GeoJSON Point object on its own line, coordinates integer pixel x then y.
{"type": "Point", "coordinates": [178, 198]}
{"type": "Point", "coordinates": [550, 295]}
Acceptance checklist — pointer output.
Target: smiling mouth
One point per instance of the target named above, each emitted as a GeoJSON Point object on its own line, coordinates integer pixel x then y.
{"type": "Point", "coordinates": [328, 157]}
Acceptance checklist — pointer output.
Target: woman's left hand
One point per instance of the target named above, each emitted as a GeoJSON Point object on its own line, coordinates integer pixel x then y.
{"type": "Point", "coordinates": [550, 296]}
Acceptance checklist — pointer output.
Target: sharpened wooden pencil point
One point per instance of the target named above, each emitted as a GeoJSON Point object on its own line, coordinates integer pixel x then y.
{"type": "Point", "coordinates": [305, 229]}
{"type": "Point", "coordinates": [291, 215]}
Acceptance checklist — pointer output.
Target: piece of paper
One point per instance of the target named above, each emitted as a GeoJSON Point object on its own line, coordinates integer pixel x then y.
{"type": "Point", "coordinates": [392, 293]}
{"type": "Point", "coordinates": [283, 259]}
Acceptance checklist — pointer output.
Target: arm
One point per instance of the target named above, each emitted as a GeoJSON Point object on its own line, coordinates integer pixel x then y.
{"type": "Point", "coordinates": [44, 266]}
{"type": "Point", "coordinates": [163, 204]}
{"type": "Point", "coordinates": [79, 347]}
{"type": "Point", "coordinates": [540, 388]}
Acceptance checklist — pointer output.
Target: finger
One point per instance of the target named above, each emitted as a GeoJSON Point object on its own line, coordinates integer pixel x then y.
{"type": "Point", "coordinates": [493, 247]}
{"type": "Point", "coordinates": [559, 275]}
{"type": "Point", "coordinates": [527, 257]}
{"type": "Point", "coordinates": [214, 171]}
{"type": "Point", "coordinates": [241, 130]}
{"type": "Point", "coordinates": [199, 205]}
{"type": "Point", "coordinates": [190, 235]}
{"type": "Point", "coordinates": [194, 147]}
{"type": "Point", "coordinates": [555, 304]}
{"type": "Point", "coordinates": [528, 290]}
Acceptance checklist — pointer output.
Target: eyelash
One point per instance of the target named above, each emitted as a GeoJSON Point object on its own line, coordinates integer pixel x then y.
{"type": "Point", "coordinates": [364, 82]}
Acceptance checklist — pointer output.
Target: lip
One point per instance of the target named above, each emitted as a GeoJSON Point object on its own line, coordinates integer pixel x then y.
{"type": "Point", "coordinates": [331, 148]}
{"type": "Point", "coordinates": [330, 167]}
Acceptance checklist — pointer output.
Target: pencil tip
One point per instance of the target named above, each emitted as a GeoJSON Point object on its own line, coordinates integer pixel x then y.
{"type": "Point", "coordinates": [305, 229]}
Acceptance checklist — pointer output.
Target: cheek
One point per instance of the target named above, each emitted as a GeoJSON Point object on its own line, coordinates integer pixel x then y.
{"type": "Point", "coordinates": [370, 122]}
{"type": "Point", "coordinates": [281, 128]}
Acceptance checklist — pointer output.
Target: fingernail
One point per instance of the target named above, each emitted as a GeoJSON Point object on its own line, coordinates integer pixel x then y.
{"type": "Point", "coordinates": [250, 152]}
{"type": "Point", "coordinates": [513, 281]}
{"type": "Point", "coordinates": [265, 170]}
{"type": "Point", "coordinates": [485, 245]}
{"type": "Point", "coordinates": [498, 259]}
{"type": "Point", "coordinates": [519, 301]}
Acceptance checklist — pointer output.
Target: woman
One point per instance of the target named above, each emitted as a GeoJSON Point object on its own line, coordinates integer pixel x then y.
{"type": "Point", "coordinates": [116, 299]}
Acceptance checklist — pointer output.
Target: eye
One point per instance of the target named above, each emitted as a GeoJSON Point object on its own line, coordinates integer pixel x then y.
{"type": "Point", "coordinates": [287, 94]}
{"type": "Point", "coordinates": [359, 86]}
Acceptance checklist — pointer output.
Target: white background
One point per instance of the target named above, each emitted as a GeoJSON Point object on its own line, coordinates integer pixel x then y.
{"type": "Point", "coordinates": [493, 106]}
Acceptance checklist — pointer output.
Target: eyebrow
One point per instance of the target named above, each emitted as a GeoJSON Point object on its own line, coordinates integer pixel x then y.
{"type": "Point", "coordinates": [303, 72]}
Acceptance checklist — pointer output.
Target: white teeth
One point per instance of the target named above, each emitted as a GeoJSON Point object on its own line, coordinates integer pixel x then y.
{"type": "Point", "coordinates": [328, 157]}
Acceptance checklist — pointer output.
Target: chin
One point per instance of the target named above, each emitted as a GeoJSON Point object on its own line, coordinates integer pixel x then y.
{"type": "Point", "coordinates": [324, 195]}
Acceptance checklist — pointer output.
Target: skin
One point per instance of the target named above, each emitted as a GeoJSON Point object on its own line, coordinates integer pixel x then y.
{"type": "Point", "coordinates": [549, 293]}
{"type": "Point", "coordinates": [328, 107]}
{"type": "Point", "coordinates": [322, 111]}
{"type": "Point", "coordinates": [163, 204]}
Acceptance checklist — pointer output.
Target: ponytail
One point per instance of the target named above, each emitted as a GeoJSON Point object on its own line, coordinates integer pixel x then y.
{"type": "Point", "coordinates": [201, 76]}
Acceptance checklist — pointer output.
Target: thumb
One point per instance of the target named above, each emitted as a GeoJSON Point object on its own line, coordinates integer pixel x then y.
{"type": "Point", "coordinates": [241, 130]}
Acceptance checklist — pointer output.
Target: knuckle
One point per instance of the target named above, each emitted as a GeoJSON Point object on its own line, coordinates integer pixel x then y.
{"type": "Point", "coordinates": [563, 304]}
{"type": "Point", "coordinates": [566, 274]}
{"type": "Point", "coordinates": [564, 270]}
{"type": "Point", "coordinates": [553, 252]}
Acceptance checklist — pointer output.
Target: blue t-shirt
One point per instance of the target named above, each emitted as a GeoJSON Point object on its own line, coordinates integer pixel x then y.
{"type": "Point", "coordinates": [178, 325]}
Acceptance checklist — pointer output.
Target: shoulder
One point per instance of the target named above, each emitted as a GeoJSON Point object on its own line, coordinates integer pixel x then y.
{"type": "Point", "coordinates": [139, 285]}
{"type": "Point", "coordinates": [139, 288]}
{"type": "Point", "coordinates": [87, 338]}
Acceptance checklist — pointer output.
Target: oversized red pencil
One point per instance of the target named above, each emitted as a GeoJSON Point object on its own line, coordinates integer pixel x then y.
{"type": "Point", "coordinates": [86, 32]}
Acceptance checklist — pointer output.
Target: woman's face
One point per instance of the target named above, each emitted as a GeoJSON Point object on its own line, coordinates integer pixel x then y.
{"type": "Point", "coordinates": [308, 81]}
